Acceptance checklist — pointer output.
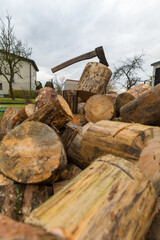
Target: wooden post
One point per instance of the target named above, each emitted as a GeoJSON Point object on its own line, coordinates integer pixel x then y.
{"type": "Point", "coordinates": [111, 199]}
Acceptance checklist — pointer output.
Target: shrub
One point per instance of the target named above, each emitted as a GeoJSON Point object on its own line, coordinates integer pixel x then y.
{"type": "Point", "coordinates": [26, 94]}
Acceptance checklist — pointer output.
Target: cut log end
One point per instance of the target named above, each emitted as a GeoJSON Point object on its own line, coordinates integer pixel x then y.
{"type": "Point", "coordinates": [65, 106]}
{"type": "Point", "coordinates": [31, 152]}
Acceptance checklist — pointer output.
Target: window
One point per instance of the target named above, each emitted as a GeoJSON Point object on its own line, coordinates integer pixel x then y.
{"type": "Point", "coordinates": [0, 86]}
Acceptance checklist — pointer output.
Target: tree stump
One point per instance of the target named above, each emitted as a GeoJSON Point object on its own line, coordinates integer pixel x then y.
{"type": "Point", "coordinates": [99, 107]}
{"type": "Point", "coordinates": [144, 110]}
{"type": "Point", "coordinates": [103, 202]}
{"type": "Point", "coordinates": [55, 113]}
{"type": "Point", "coordinates": [18, 200]}
{"type": "Point", "coordinates": [32, 153]}
{"type": "Point", "coordinates": [94, 80]}
{"type": "Point", "coordinates": [73, 152]}
{"type": "Point", "coordinates": [131, 94]}
{"type": "Point", "coordinates": [130, 141]}
{"type": "Point", "coordinates": [12, 230]}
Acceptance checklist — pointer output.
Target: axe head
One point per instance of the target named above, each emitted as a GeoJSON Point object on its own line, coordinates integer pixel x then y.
{"type": "Point", "coordinates": [101, 56]}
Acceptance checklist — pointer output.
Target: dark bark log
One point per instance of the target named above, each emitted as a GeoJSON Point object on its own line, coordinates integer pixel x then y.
{"type": "Point", "coordinates": [144, 110]}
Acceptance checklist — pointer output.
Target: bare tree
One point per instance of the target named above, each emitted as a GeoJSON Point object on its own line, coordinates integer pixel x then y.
{"type": "Point", "coordinates": [127, 73]}
{"type": "Point", "coordinates": [58, 83]}
{"type": "Point", "coordinates": [12, 53]}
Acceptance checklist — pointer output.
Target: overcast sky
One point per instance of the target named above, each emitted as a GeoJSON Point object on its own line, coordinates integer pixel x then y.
{"type": "Point", "coordinates": [58, 30]}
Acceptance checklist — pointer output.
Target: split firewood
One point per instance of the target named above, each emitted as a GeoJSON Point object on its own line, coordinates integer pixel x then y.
{"type": "Point", "coordinates": [57, 186]}
{"type": "Point", "coordinates": [94, 80]}
{"type": "Point", "coordinates": [154, 231]}
{"type": "Point", "coordinates": [68, 134]}
{"type": "Point", "coordinates": [44, 96]}
{"type": "Point", "coordinates": [80, 109]}
{"type": "Point", "coordinates": [55, 113]}
{"type": "Point", "coordinates": [99, 107]}
{"type": "Point", "coordinates": [6, 121]}
{"type": "Point", "coordinates": [144, 109]}
{"type": "Point", "coordinates": [18, 200]}
{"type": "Point", "coordinates": [73, 152]}
{"type": "Point", "coordinates": [131, 94]}
{"type": "Point", "coordinates": [113, 93]}
{"type": "Point", "coordinates": [32, 153]}
{"type": "Point", "coordinates": [23, 114]}
{"type": "Point", "coordinates": [102, 200]}
{"type": "Point", "coordinates": [71, 97]}
{"type": "Point", "coordinates": [79, 119]}
{"type": "Point", "coordinates": [12, 230]}
{"type": "Point", "coordinates": [135, 142]}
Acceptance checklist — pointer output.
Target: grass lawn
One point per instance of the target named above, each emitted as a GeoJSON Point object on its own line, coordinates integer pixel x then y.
{"type": "Point", "coordinates": [17, 100]}
{"type": "Point", "coordinates": [8, 102]}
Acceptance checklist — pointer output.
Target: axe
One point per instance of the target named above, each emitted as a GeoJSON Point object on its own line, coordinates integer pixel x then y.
{"type": "Point", "coordinates": [98, 52]}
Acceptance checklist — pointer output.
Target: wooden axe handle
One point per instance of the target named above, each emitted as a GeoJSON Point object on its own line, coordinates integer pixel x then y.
{"type": "Point", "coordinates": [74, 60]}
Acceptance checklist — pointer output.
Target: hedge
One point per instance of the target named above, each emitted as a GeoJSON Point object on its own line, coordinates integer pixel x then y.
{"type": "Point", "coordinates": [26, 94]}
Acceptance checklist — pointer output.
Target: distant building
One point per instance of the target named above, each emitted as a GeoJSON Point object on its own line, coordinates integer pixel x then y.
{"type": "Point", "coordinates": [27, 82]}
{"type": "Point", "coordinates": [156, 73]}
{"type": "Point", "coordinates": [70, 84]}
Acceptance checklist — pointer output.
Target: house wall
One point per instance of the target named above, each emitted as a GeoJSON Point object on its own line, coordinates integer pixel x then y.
{"type": "Point", "coordinates": [27, 72]}
{"type": "Point", "coordinates": [154, 71]}
{"type": "Point", "coordinates": [70, 85]}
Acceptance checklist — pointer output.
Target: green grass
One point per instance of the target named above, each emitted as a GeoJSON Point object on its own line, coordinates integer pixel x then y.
{"type": "Point", "coordinates": [8, 103]}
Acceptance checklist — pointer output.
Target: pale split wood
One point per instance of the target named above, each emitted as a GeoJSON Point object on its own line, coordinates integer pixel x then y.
{"type": "Point", "coordinates": [111, 199]}
{"type": "Point", "coordinates": [130, 141]}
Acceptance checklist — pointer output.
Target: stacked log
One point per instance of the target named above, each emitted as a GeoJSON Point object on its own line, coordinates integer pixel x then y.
{"type": "Point", "coordinates": [55, 113]}
{"type": "Point", "coordinates": [71, 97]}
{"type": "Point", "coordinates": [130, 141]}
{"type": "Point", "coordinates": [100, 107]}
{"type": "Point", "coordinates": [10, 229]}
{"type": "Point", "coordinates": [101, 201]}
{"type": "Point", "coordinates": [94, 80]}
{"type": "Point", "coordinates": [131, 94]}
{"type": "Point", "coordinates": [145, 109]}
{"type": "Point", "coordinates": [44, 95]}
{"type": "Point", "coordinates": [32, 153]}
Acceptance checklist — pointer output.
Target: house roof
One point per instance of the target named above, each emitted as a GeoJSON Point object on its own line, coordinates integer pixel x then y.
{"type": "Point", "coordinates": [25, 59]}
{"type": "Point", "coordinates": [155, 63]}
{"type": "Point", "coordinates": [70, 80]}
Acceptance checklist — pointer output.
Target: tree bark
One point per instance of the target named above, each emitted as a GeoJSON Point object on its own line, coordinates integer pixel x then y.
{"type": "Point", "coordinates": [44, 95]}
{"type": "Point", "coordinates": [11, 89]}
{"type": "Point", "coordinates": [23, 114]}
{"type": "Point", "coordinates": [73, 152]}
{"type": "Point", "coordinates": [6, 121]}
{"type": "Point", "coordinates": [55, 113]}
{"type": "Point", "coordinates": [68, 134]}
{"type": "Point", "coordinates": [10, 229]}
{"type": "Point", "coordinates": [99, 107]}
{"type": "Point", "coordinates": [103, 202]}
{"type": "Point", "coordinates": [18, 200]}
{"type": "Point", "coordinates": [131, 94]}
{"type": "Point", "coordinates": [130, 141]}
{"type": "Point", "coordinates": [94, 80]}
{"type": "Point", "coordinates": [32, 153]}
{"type": "Point", "coordinates": [145, 109]}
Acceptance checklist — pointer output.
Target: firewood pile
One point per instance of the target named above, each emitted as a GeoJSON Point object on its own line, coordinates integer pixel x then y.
{"type": "Point", "coordinates": [82, 164]}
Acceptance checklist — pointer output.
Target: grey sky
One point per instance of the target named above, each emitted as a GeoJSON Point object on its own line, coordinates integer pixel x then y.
{"type": "Point", "coordinates": [58, 30]}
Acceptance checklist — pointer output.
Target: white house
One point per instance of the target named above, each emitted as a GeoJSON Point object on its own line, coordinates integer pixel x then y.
{"type": "Point", "coordinates": [27, 82]}
{"type": "Point", "coordinates": [156, 73]}
{"type": "Point", "coordinates": [70, 84]}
